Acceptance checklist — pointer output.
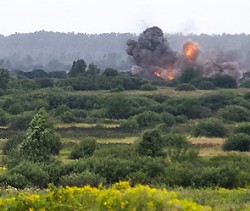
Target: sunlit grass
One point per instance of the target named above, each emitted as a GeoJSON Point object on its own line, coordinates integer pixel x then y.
{"type": "Point", "coordinates": [211, 146]}
{"type": "Point", "coordinates": [206, 141]}
{"type": "Point", "coordinates": [126, 140]}
{"type": "Point", "coordinates": [86, 125]}
{"type": "Point", "coordinates": [208, 146]}
{"type": "Point", "coordinates": [64, 155]}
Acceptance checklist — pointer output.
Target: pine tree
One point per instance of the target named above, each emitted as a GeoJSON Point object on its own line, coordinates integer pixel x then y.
{"type": "Point", "coordinates": [41, 140]}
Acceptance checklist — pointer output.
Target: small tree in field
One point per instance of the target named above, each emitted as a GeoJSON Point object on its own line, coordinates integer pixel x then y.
{"type": "Point", "coordinates": [78, 68]}
{"type": "Point", "coordinates": [151, 144]}
{"type": "Point", "coordinates": [41, 140]}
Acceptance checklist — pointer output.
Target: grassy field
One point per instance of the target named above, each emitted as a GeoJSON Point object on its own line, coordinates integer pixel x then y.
{"type": "Point", "coordinates": [218, 199]}
{"type": "Point", "coordinates": [109, 133]}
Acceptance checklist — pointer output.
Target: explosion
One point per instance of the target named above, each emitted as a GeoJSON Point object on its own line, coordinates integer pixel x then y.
{"type": "Point", "coordinates": [191, 50]}
{"type": "Point", "coordinates": [154, 57]}
{"type": "Point", "coordinates": [166, 74]}
{"type": "Point", "coordinates": [151, 53]}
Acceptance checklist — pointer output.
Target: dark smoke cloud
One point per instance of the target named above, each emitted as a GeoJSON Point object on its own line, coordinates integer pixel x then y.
{"type": "Point", "coordinates": [212, 68]}
{"type": "Point", "coordinates": [152, 50]}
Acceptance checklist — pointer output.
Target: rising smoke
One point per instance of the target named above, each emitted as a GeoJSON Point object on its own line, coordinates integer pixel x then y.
{"type": "Point", "coordinates": [152, 51]}
{"type": "Point", "coordinates": [154, 57]}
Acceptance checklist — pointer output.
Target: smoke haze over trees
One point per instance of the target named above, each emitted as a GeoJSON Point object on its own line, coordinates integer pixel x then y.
{"type": "Point", "coordinates": [54, 51]}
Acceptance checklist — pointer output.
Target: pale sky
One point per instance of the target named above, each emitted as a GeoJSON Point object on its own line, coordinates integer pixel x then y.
{"type": "Point", "coordinates": [104, 16]}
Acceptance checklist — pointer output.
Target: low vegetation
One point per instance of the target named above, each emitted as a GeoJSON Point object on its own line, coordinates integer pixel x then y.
{"type": "Point", "coordinates": [100, 127]}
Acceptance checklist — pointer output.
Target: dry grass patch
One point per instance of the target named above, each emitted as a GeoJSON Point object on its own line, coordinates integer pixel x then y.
{"type": "Point", "coordinates": [206, 141]}
{"type": "Point", "coordinates": [126, 140]}
{"type": "Point", "coordinates": [208, 146]}
{"type": "Point", "coordinates": [86, 125]}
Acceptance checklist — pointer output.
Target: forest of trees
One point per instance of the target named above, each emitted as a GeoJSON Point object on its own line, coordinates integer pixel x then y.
{"type": "Point", "coordinates": [53, 51]}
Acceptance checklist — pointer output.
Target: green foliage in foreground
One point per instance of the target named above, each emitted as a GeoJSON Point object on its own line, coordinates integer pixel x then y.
{"type": "Point", "coordinates": [218, 198]}
{"type": "Point", "coordinates": [118, 197]}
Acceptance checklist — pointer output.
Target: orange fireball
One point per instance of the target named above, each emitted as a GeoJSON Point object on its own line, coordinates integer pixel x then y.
{"type": "Point", "coordinates": [158, 73]}
{"type": "Point", "coordinates": [167, 74]}
{"type": "Point", "coordinates": [170, 73]}
{"type": "Point", "coordinates": [191, 50]}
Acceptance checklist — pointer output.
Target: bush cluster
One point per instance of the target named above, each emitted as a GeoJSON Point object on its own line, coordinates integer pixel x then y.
{"type": "Point", "coordinates": [240, 139]}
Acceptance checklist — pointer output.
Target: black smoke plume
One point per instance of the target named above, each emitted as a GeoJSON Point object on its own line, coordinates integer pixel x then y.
{"type": "Point", "coordinates": [152, 50]}
{"type": "Point", "coordinates": [152, 54]}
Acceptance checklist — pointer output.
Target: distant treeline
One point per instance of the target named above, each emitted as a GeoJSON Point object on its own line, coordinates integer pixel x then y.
{"type": "Point", "coordinates": [53, 51]}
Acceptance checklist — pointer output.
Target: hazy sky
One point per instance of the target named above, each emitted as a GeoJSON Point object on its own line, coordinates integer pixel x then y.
{"type": "Point", "coordinates": [100, 16]}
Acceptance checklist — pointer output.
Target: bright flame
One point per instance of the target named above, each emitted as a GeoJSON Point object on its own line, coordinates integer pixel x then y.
{"type": "Point", "coordinates": [170, 75]}
{"type": "Point", "coordinates": [167, 74]}
{"type": "Point", "coordinates": [191, 50]}
{"type": "Point", "coordinates": [158, 73]}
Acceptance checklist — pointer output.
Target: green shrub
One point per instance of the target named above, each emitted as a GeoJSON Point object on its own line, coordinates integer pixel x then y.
{"type": "Point", "coordinates": [14, 180]}
{"type": "Point", "coordinates": [67, 117]}
{"type": "Point", "coordinates": [206, 85]}
{"type": "Point", "coordinates": [27, 84]}
{"type": "Point", "coordinates": [238, 142]}
{"type": "Point", "coordinates": [181, 119]}
{"type": "Point", "coordinates": [117, 89]}
{"type": "Point", "coordinates": [4, 118]}
{"type": "Point", "coordinates": [85, 148]}
{"type": "Point", "coordinates": [187, 154]}
{"type": "Point", "coordinates": [44, 82]}
{"type": "Point", "coordinates": [82, 179]}
{"type": "Point", "coordinates": [217, 100]}
{"type": "Point", "coordinates": [148, 118]}
{"type": "Point", "coordinates": [12, 143]}
{"type": "Point", "coordinates": [61, 109]}
{"type": "Point", "coordinates": [192, 108]}
{"type": "Point", "coordinates": [247, 96]}
{"type": "Point", "coordinates": [200, 79]}
{"type": "Point", "coordinates": [54, 168]}
{"type": "Point", "coordinates": [33, 172]}
{"type": "Point", "coordinates": [235, 113]}
{"type": "Point", "coordinates": [210, 128]}
{"type": "Point", "coordinates": [245, 83]}
{"type": "Point", "coordinates": [243, 128]}
{"type": "Point", "coordinates": [225, 176]}
{"type": "Point", "coordinates": [21, 121]}
{"type": "Point", "coordinates": [175, 140]}
{"type": "Point", "coordinates": [79, 113]}
{"type": "Point", "coordinates": [13, 106]}
{"type": "Point", "coordinates": [130, 123]}
{"type": "Point", "coordinates": [125, 151]}
{"type": "Point", "coordinates": [241, 102]}
{"type": "Point", "coordinates": [119, 106]}
{"type": "Point", "coordinates": [159, 98]}
{"type": "Point", "coordinates": [185, 87]}
{"type": "Point", "coordinates": [111, 168]}
{"type": "Point", "coordinates": [225, 81]}
{"type": "Point", "coordinates": [189, 74]}
{"type": "Point", "coordinates": [148, 87]}
{"type": "Point", "coordinates": [168, 119]}
{"type": "Point", "coordinates": [151, 144]}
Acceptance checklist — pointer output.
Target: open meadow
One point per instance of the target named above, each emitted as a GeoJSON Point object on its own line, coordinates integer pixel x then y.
{"type": "Point", "coordinates": [67, 143]}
